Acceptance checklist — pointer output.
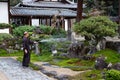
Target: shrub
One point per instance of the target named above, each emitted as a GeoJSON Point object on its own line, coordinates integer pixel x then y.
{"type": "Point", "coordinates": [113, 75]}
{"type": "Point", "coordinates": [96, 28]}
{"type": "Point", "coordinates": [5, 36]}
{"type": "Point", "coordinates": [21, 29]}
{"type": "Point", "coordinates": [46, 29]}
{"type": "Point", "coordinates": [4, 25]}
{"type": "Point", "coordinates": [53, 31]}
{"type": "Point", "coordinates": [58, 33]}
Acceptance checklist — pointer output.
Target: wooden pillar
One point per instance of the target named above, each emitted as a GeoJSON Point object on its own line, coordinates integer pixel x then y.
{"type": "Point", "coordinates": [50, 21]}
{"type": "Point", "coordinates": [69, 29]}
{"type": "Point", "coordinates": [79, 10]}
{"type": "Point", "coordinates": [119, 12]}
{"type": "Point", "coordinates": [39, 21]}
{"type": "Point", "coordinates": [46, 21]}
{"type": "Point", "coordinates": [30, 20]}
{"type": "Point", "coordinates": [69, 24]}
{"type": "Point", "coordinates": [9, 11]}
{"type": "Point", "coordinates": [63, 23]}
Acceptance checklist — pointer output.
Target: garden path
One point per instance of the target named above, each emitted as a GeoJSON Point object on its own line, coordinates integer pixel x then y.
{"type": "Point", "coordinates": [59, 70]}
{"type": "Point", "coordinates": [11, 69]}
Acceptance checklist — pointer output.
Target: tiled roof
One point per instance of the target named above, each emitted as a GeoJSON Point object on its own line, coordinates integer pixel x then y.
{"type": "Point", "coordinates": [28, 11]}
{"type": "Point", "coordinates": [50, 4]}
{"type": "Point", "coordinates": [3, 0]}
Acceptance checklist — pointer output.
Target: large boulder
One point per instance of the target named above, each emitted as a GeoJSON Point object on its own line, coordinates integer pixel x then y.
{"type": "Point", "coordinates": [76, 50]}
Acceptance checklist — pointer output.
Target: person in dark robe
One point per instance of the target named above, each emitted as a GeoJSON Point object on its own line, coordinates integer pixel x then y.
{"type": "Point", "coordinates": [26, 49]}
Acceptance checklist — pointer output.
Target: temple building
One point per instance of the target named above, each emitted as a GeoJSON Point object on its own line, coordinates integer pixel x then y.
{"type": "Point", "coordinates": [61, 13]}
{"type": "Point", "coordinates": [4, 11]}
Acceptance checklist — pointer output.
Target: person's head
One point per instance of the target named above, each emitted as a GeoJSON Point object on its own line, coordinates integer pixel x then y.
{"type": "Point", "coordinates": [26, 34]}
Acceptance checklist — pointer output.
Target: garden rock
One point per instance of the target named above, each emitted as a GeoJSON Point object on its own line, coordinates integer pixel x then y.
{"type": "Point", "coordinates": [64, 55]}
{"type": "Point", "coordinates": [114, 45]}
{"type": "Point", "coordinates": [77, 50]}
{"type": "Point", "coordinates": [116, 66]}
{"type": "Point", "coordinates": [88, 57]}
{"type": "Point", "coordinates": [62, 77]}
{"type": "Point", "coordinates": [100, 63]}
{"type": "Point", "coordinates": [49, 73]}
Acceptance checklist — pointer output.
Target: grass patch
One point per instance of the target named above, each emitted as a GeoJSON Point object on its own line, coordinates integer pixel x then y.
{"type": "Point", "coordinates": [88, 75]}
{"type": "Point", "coordinates": [44, 56]}
{"type": "Point", "coordinates": [74, 64]}
{"type": "Point", "coordinates": [112, 56]}
{"type": "Point", "coordinates": [4, 53]}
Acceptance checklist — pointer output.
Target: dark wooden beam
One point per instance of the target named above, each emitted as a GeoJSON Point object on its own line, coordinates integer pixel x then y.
{"type": "Point", "coordinates": [9, 11]}
{"type": "Point", "coordinates": [79, 10]}
{"type": "Point", "coordinates": [119, 19]}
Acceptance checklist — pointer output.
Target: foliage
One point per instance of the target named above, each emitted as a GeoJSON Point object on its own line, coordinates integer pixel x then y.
{"type": "Point", "coordinates": [109, 7]}
{"type": "Point", "coordinates": [113, 75]}
{"type": "Point", "coordinates": [5, 36]}
{"type": "Point", "coordinates": [96, 27]}
{"type": "Point", "coordinates": [107, 53]}
{"type": "Point", "coordinates": [88, 75]}
{"type": "Point", "coordinates": [4, 53]}
{"type": "Point", "coordinates": [53, 31]}
{"type": "Point", "coordinates": [14, 2]}
{"type": "Point", "coordinates": [46, 29]}
{"type": "Point", "coordinates": [57, 33]}
{"type": "Point", "coordinates": [46, 45]}
{"type": "Point", "coordinates": [39, 37]}
{"type": "Point", "coordinates": [4, 25]}
{"type": "Point", "coordinates": [21, 29]}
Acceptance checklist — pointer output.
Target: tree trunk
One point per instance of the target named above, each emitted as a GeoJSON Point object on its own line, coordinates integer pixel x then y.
{"type": "Point", "coordinates": [119, 20]}
{"type": "Point", "coordinates": [79, 10]}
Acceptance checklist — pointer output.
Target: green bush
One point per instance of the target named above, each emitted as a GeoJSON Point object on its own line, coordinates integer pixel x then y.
{"type": "Point", "coordinates": [107, 53]}
{"type": "Point", "coordinates": [113, 75]}
{"type": "Point", "coordinates": [21, 29]}
{"type": "Point", "coordinates": [46, 29]}
{"type": "Point", "coordinates": [58, 33]}
{"type": "Point", "coordinates": [53, 31]}
{"type": "Point", "coordinates": [4, 25]}
{"type": "Point", "coordinates": [96, 27]}
{"type": "Point", "coordinates": [5, 36]}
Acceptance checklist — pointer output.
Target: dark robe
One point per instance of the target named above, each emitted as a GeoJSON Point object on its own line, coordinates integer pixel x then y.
{"type": "Point", "coordinates": [26, 57]}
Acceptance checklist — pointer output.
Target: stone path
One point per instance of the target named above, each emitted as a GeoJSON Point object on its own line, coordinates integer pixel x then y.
{"type": "Point", "coordinates": [59, 70]}
{"type": "Point", "coordinates": [11, 69]}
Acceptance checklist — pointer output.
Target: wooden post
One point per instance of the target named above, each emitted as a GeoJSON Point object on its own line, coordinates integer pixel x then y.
{"type": "Point", "coordinates": [50, 21]}
{"type": "Point", "coordinates": [69, 29]}
{"type": "Point", "coordinates": [119, 12]}
{"type": "Point", "coordinates": [46, 21]}
{"type": "Point", "coordinates": [9, 11]}
{"type": "Point", "coordinates": [30, 20]}
{"type": "Point", "coordinates": [79, 10]}
{"type": "Point", "coordinates": [119, 19]}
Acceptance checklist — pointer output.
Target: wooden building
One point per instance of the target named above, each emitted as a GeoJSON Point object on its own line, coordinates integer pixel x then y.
{"type": "Point", "coordinates": [46, 12]}
{"type": "Point", "coordinates": [4, 11]}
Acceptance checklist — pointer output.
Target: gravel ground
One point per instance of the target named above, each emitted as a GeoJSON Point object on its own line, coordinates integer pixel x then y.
{"type": "Point", "coordinates": [12, 70]}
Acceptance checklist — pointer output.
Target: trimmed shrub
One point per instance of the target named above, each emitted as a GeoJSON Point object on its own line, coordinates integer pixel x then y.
{"type": "Point", "coordinates": [21, 29]}
{"type": "Point", "coordinates": [4, 25]}
{"type": "Point", "coordinates": [46, 29]}
{"type": "Point", "coordinates": [57, 33]}
{"type": "Point", "coordinates": [113, 75]}
{"type": "Point", "coordinates": [5, 36]}
{"type": "Point", "coordinates": [53, 31]}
